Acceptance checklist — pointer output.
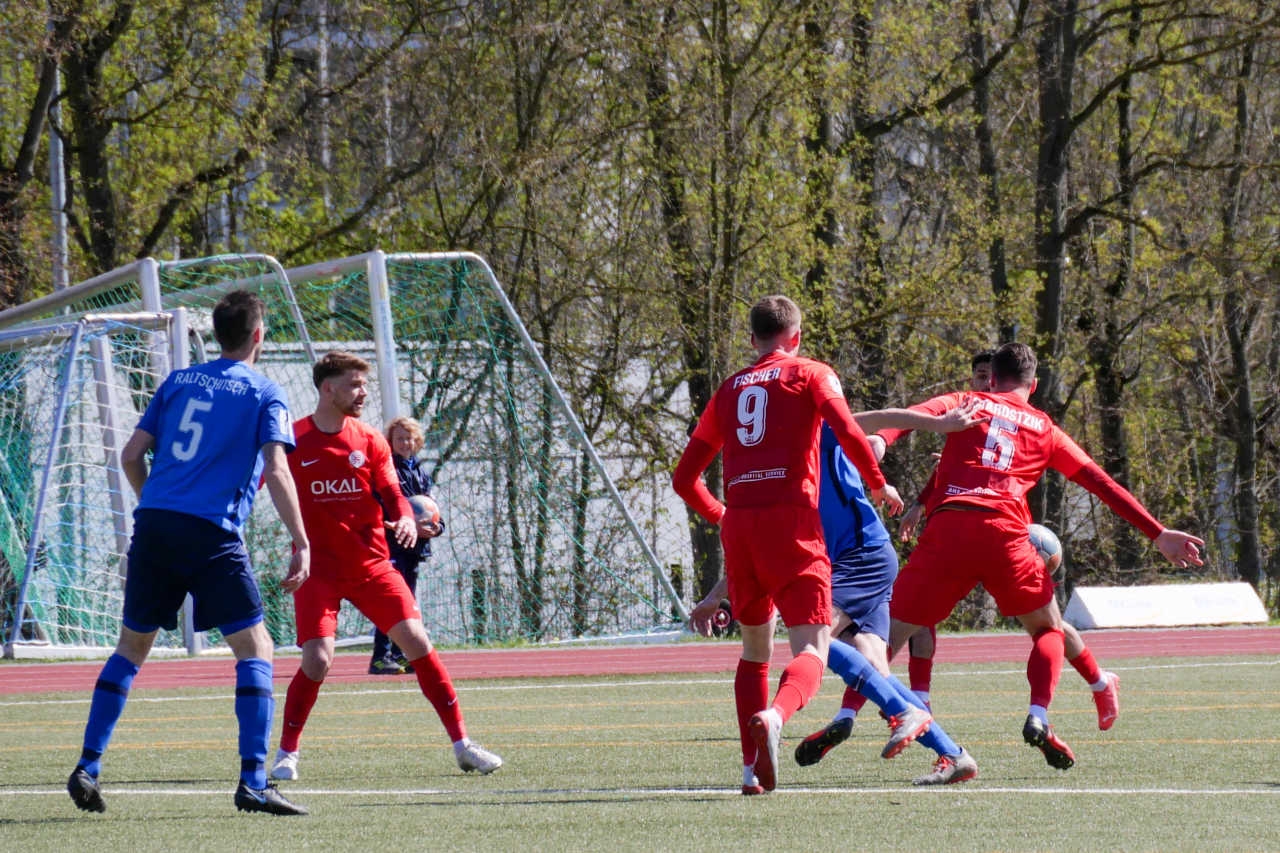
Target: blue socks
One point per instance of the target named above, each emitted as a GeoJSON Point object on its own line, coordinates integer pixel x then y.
{"type": "Point", "coordinates": [890, 694]}
{"type": "Point", "coordinates": [254, 708]}
{"type": "Point", "coordinates": [857, 672]}
{"type": "Point", "coordinates": [109, 696]}
{"type": "Point", "coordinates": [936, 739]}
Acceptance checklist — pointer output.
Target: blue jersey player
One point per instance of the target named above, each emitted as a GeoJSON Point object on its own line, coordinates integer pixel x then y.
{"type": "Point", "coordinates": [215, 431]}
{"type": "Point", "coordinates": [863, 568]}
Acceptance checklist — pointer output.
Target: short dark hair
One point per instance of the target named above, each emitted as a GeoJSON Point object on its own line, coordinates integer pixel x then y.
{"type": "Point", "coordinates": [774, 315]}
{"type": "Point", "coordinates": [981, 357]}
{"type": "Point", "coordinates": [1014, 361]}
{"type": "Point", "coordinates": [337, 363]}
{"type": "Point", "coordinates": [235, 317]}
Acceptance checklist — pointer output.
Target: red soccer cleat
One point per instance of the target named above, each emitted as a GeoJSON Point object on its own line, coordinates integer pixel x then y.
{"type": "Point", "coordinates": [1108, 701]}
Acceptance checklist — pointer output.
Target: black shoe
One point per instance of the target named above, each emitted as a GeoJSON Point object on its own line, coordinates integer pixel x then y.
{"type": "Point", "coordinates": [812, 749]}
{"type": "Point", "coordinates": [403, 662]}
{"type": "Point", "coordinates": [268, 800]}
{"type": "Point", "coordinates": [85, 792]}
{"type": "Point", "coordinates": [1040, 735]}
{"type": "Point", "coordinates": [385, 666]}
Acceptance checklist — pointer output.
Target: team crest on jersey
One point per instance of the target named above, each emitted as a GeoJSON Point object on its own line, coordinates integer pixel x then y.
{"type": "Point", "coordinates": [356, 458]}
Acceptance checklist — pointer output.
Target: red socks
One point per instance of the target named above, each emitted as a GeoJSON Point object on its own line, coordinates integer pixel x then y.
{"type": "Point", "coordinates": [298, 702]}
{"type": "Point", "coordinates": [800, 682]}
{"type": "Point", "coordinates": [750, 695]}
{"type": "Point", "coordinates": [436, 685]}
{"type": "Point", "coordinates": [920, 673]}
{"type": "Point", "coordinates": [1087, 667]}
{"type": "Point", "coordinates": [1044, 665]}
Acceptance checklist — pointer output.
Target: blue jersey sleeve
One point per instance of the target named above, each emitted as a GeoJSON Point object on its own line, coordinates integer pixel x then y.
{"type": "Point", "coordinates": [274, 421]}
{"type": "Point", "coordinates": [150, 421]}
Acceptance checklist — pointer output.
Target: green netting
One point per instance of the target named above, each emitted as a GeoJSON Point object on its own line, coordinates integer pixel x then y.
{"type": "Point", "coordinates": [540, 545]}
{"type": "Point", "coordinates": [66, 404]}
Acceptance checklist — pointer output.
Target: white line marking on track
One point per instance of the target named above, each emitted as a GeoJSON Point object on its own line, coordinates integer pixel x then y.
{"type": "Point", "coordinates": [464, 688]}
{"type": "Point", "coordinates": [666, 792]}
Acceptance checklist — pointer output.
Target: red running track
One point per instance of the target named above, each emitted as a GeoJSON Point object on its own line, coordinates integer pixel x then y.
{"type": "Point", "coordinates": [690, 657]}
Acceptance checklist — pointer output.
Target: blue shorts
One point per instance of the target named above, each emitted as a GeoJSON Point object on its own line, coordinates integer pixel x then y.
{"type": "Point", "coordinates": [173, 554]}
{"type": "Point", "coordinates": [862, 584]}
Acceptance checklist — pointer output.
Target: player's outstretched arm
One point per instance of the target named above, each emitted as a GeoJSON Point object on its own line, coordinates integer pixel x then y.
{"type": "Point", "coordinates": [953, 419]}
{"type": "Point", "coordinates": [1181, 549]}
{"type": "Point", "coordinates": [284, 495]}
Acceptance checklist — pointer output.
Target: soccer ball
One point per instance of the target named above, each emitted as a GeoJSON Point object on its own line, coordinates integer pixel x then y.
{"type": "Point", "coordinates": [1047, 546]}
{"type": "Point", "coordinates": [426, 509]}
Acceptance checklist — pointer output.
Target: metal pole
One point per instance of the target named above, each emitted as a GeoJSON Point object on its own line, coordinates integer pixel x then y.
{"type": "Point", "coordinates": [58, 190]}
{"type": "Point", "coordinates": [37, 518]}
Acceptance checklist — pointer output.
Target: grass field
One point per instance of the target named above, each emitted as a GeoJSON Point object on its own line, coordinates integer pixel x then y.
{"type": "Point", "coordinates": [651, 763]}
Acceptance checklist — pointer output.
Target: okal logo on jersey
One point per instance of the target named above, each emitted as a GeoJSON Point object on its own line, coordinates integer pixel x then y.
{"type": "Point", "coordinates": [356, 458]}
{"type": "Point", "coordinates": [346, 486]}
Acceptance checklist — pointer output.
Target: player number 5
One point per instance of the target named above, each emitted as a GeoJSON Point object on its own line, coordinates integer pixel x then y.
{"type": "Point", "coordinates": [192, 429]}
{"type": "Point", "coordinates": [998, 452]}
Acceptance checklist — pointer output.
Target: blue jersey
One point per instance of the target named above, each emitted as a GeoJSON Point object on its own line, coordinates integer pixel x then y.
{"type": "Point", "coordinates": [210, 422]}
{"type": "Point", "coordinates": [849, 521]}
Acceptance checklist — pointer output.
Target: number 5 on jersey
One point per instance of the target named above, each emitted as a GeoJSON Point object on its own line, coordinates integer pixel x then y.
{"type": "Point", "coordinates": [192, 429]}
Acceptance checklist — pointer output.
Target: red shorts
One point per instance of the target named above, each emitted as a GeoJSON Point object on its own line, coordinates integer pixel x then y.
{"type": "Point", "coordinates": [381, 594]}
{"type": "Point", "coordinates": [960, 549]}
{"type": "Point", "coordinates": [775, 557]}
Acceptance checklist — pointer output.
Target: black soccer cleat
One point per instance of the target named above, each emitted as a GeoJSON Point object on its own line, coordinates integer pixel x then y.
{"type": "Point", "coordinates": [1040, 735]}
{"type": "Point", "coordinates": [268, 800]}
{"type": "Point", "coordinates": [85, 792]}
{"type": "Point", "coordinates": [812, 749]}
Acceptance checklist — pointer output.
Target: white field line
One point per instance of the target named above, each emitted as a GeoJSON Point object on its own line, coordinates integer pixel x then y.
{"type": "Point", "coordinates": [495, 793]}
{"type": "Point", "coordinates": [464, 688]}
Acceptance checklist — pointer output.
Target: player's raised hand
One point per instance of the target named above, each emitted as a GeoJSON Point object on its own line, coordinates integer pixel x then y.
{"type": "Point", "coordinates": [299, 569]}
{"type": "Point", "coordinates": [887, 497]}
{"type": "Point", "coordinates": [963, 416]}
{"type": "Point", "coordinates": [404, 530]}
{"type": "Point", "coordinates": [1181, 549]}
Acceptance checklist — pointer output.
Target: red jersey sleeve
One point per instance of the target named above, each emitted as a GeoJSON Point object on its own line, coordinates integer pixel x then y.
{"type": "Point", "coordinates": [853, 441]}
{"type": "Point", "coordinates": [1078, 467]}
{"type": "Point", "coordinates": [687, 480]}
{"type": "Point", "coordinates": [939, 405]}
{"type": "Point", "coordinates": [385, 481]}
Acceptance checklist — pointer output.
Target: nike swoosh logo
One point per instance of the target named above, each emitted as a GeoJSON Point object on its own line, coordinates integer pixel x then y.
{"type": "Point", "coordinates": [307, 462]}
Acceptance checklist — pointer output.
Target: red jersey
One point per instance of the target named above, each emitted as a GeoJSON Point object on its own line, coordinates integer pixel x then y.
{"type": "Point", "coordinates": [995, 463]}
{"type": "Point", "coordinates": [766, 420]}
{"type": "Point", "coordinates": [338, 475]}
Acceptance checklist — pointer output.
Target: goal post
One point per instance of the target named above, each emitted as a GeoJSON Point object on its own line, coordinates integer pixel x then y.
{"type": "Point", "coordinates": [67, 507]}
{"type": "Point", "coordinates": [549, 537]}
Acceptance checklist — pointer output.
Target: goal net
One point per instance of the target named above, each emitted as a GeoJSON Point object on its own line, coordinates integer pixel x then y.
{"type": "Point", "coordinates": [540, 544]}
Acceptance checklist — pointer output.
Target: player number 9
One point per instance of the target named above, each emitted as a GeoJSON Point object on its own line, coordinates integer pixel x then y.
{"type": "Point", "coordinates": [751, 405]}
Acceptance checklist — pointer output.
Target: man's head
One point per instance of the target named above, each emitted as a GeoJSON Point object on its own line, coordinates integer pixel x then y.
{"type": "Point", "coordinates": [1013, 366]}
{"type": "Point", "coordinates": [342, 380]}
{"type": "Point", "coordinates": [235, 318]}
{"type": "Point", "coordinates": [980, 370]}
{"type": "Point", "coordinates": [775, 321]}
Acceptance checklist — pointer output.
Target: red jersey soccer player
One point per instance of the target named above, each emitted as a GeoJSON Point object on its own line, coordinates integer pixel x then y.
{"type": "Point", "coordinates": [977, 530]}
{"type": "Point", "coordinates": [766, 419]}
{"type": "Point", "coordinates": [339, 465]}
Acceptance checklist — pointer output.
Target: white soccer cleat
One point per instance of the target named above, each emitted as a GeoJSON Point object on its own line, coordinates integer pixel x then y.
{"type": "Point", "coordinates": [286, 766]}
{"type": "Point", "coordinates": [473, 756]}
